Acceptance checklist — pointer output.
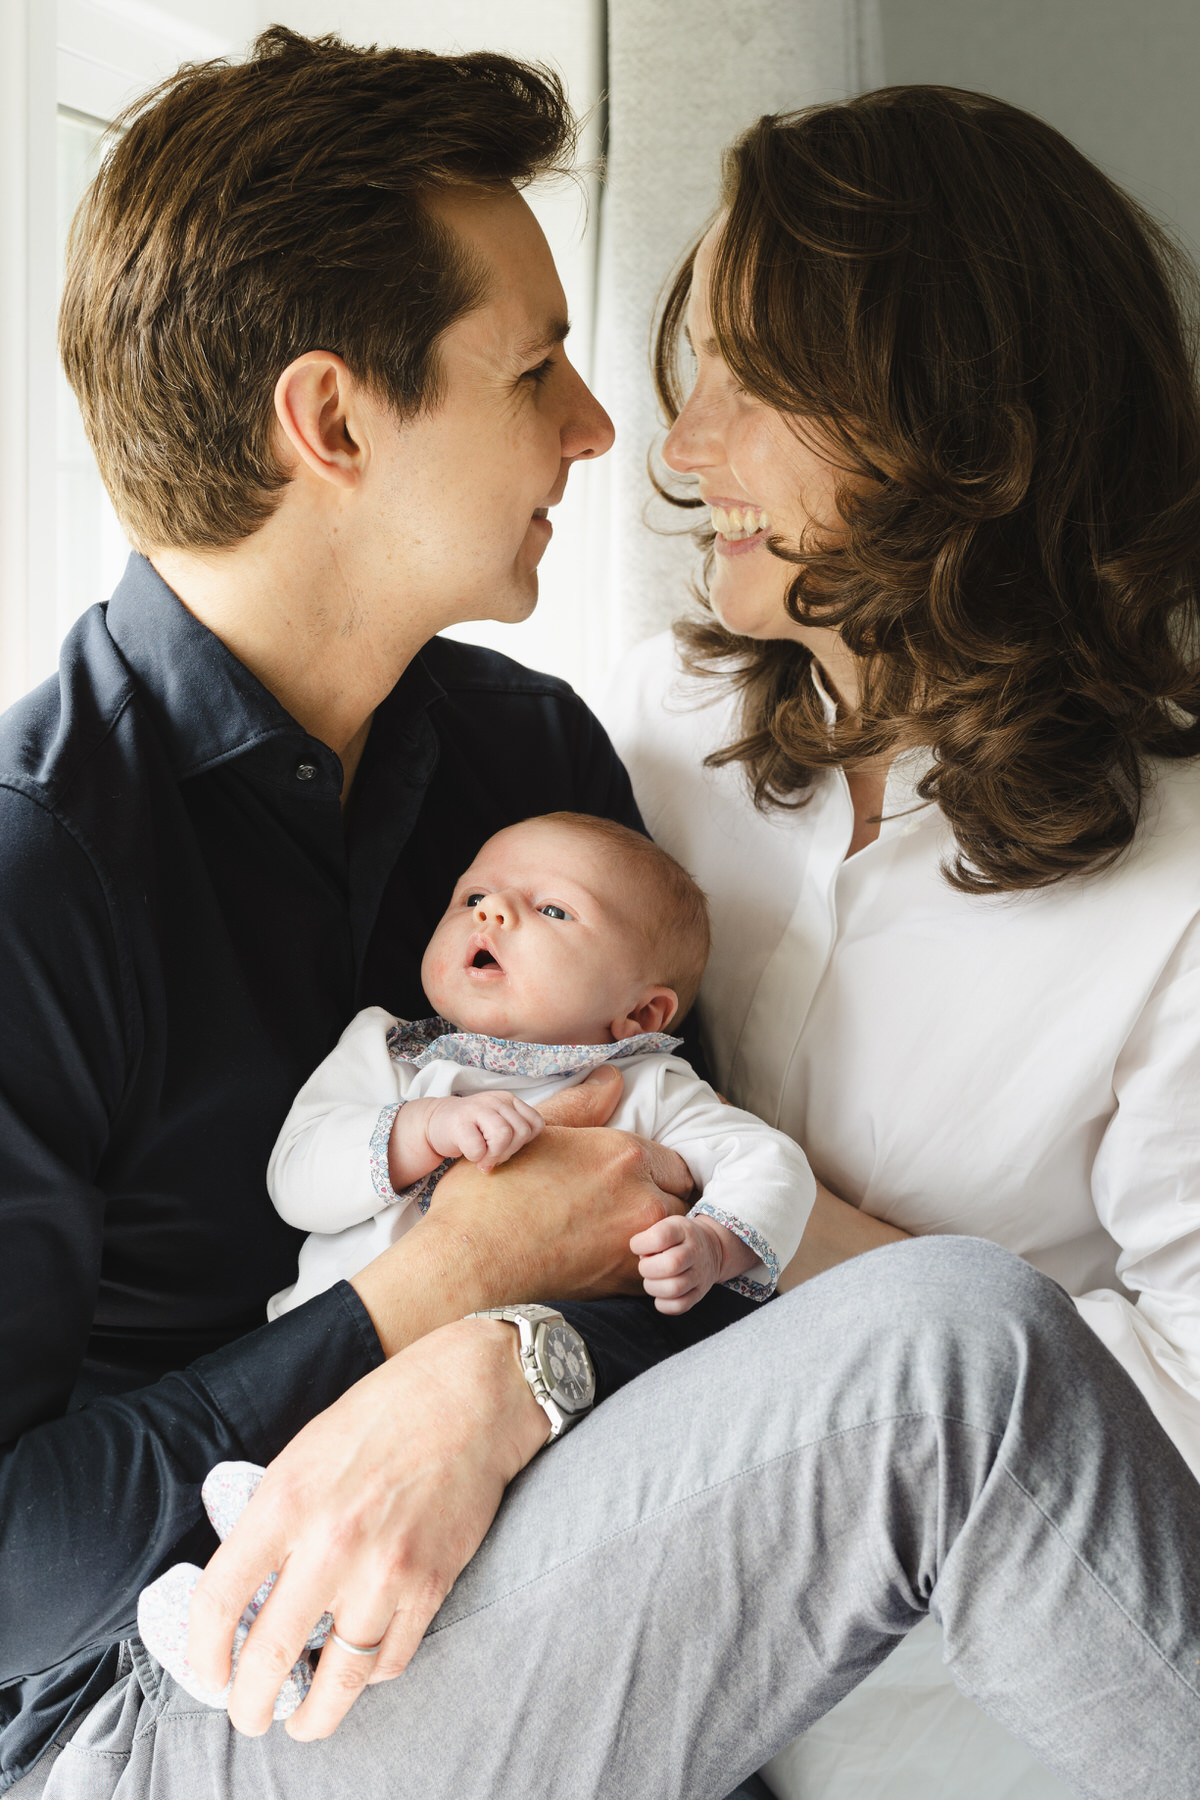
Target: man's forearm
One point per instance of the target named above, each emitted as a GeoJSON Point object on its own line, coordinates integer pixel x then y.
{"type": "Point", "coordinates": [431, 1276]}
{"type": "Point", "coordinates": [141, 1457]}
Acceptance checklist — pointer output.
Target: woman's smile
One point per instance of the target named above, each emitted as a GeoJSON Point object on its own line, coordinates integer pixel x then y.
{"type": "Point", "coordinates": [739, 526]}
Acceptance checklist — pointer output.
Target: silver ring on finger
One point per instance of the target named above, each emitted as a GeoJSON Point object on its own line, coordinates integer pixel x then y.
{"type": "Point", "coordinates": [356, 1649]}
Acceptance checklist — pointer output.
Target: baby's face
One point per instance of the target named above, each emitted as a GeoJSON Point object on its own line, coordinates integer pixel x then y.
{"type": "Point", "coordinates": [540, 943]}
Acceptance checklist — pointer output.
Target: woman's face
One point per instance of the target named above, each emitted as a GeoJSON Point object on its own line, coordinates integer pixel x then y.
{"type": "Point", "coordinates": [759, 477]}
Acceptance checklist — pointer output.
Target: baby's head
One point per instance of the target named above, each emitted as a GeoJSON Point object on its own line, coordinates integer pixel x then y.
{"type": "Point", "coordinates": [568, 929]}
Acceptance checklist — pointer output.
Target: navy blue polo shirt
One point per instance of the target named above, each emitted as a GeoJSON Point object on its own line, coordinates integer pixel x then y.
{"type": "Point", "coordinates": [187, 922]}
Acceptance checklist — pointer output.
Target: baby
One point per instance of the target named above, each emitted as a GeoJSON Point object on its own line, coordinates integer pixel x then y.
{"type": "Point", "coordinates": [569, 942]}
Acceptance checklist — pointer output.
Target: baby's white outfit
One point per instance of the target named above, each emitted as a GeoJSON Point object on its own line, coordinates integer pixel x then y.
{"type": "Point", "coordinates": [328, 1173]}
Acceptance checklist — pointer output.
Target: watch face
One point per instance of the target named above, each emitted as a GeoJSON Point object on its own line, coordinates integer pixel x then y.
{"type": "Point", "coordinates": [565, 1367]}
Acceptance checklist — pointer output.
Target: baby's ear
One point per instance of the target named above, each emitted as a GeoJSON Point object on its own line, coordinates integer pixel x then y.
{"type": "Point", "coordinates": [653, 1013]}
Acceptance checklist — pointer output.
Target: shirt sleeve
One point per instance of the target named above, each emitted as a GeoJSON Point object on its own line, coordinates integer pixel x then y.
{"type": "Point", "coordinates": [754, 1181]}
{"type": "Point", "coordinates": [329, 1167]}
{"type": "Point", "coordinates": [1146, 1185]}
{"type": "Point", "coordinates": [627, 1335]}
{"type": "Point", "coordinates": [94, 1501]}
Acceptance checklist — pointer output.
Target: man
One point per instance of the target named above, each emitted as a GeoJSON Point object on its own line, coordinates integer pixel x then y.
{"type": "Point", "coordinates": [318, 341]}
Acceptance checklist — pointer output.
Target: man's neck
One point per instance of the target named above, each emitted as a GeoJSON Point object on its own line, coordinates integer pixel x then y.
{"type": "Point", "coordinates": [291, 616]}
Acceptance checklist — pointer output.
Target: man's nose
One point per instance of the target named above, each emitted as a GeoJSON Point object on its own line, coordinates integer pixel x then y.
{"type": "Point", "coordinates": [587, 429]}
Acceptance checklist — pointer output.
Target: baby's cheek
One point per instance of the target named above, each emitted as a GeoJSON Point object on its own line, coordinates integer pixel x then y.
{"type": "Point", "coordinates": [435, 965]}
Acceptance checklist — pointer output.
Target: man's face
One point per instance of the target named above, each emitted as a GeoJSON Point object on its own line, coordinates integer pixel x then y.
{"type": "Point", "coordinates": [463, 490]}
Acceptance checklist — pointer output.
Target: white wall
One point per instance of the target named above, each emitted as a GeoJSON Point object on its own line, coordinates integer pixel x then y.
{"type": "Point", "coordinates": [1121, 78]}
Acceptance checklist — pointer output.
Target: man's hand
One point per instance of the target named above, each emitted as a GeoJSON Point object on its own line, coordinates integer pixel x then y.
{"type": "Point", "coordinates": [561, 1214]}
{"type": "Point", "coordinates": [554, 1223]}
{"type": "Point", "coordinates": [370, 1512]}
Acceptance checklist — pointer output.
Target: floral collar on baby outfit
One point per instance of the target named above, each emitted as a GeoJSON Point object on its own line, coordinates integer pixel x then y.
{"type": "Point", "coordinates": [421, 1041]}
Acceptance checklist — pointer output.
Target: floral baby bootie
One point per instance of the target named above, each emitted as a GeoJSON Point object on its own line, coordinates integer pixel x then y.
{"type": "Point", "coordinates": [163, 1607]}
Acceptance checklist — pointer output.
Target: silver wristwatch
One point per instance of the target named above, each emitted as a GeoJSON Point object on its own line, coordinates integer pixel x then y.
{"type": "Point", "coordinates": [555, 1362]}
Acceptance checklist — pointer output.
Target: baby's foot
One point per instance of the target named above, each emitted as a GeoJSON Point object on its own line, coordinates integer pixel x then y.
{"type": "Point", "coordinates": [163, 1607]}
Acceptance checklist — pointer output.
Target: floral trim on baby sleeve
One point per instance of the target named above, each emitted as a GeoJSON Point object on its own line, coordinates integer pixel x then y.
{"type": "Point", "coordinates": [754, 1240]}
{"type": "Point", "coordinates": [377, 1152]}
{"type": "Point", "coordinates": [421, 1192]}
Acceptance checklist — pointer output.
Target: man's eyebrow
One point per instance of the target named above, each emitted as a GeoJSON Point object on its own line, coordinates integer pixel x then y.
{"type": "Point", "coordinates": [552, 333]}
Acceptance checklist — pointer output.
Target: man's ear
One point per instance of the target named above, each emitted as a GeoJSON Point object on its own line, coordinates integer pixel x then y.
{"type": "Point", "coordinates": [312, 403]}
{"type": "Point", "coordinates": [653, 1013]}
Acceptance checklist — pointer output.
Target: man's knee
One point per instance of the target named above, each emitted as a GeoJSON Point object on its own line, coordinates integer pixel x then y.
{"type": "Point", "coordinates": [945, 1324]}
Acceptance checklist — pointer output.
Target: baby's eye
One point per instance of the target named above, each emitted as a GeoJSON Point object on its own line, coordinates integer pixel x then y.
{"type": "Point", "coordinates": [472, 899]}
{"type": "Point", "coordinates": [554, 912]}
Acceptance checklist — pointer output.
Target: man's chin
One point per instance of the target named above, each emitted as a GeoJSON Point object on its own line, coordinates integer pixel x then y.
{"type": "Point", "coordinates": [519, 601]}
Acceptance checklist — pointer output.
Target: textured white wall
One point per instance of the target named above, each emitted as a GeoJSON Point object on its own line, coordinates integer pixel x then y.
{"type": "Point", "coordinates": [685, 81]}
{"type": "Point", "coordinates": [1121, 78]}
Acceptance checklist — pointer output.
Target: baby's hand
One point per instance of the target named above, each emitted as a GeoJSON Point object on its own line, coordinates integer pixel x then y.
{"type": "Point", "coordinates": [484, 1128]}
{"type": "Point", "coordinates": [679, 1259]}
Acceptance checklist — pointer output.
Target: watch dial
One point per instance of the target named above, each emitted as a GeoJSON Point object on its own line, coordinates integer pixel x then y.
{"type": "Point", "coordinates": [566, 1368]}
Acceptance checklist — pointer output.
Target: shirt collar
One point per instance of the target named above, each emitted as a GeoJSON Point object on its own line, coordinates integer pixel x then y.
{"type": "Point", "coordinates": [421, 1041]}
{"type": "Point", "coordinates": [207, 705]}
{"type": "Point", "coordinates": [902, 805]}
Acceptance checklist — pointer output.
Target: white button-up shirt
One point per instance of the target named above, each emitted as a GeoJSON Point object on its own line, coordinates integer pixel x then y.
{"type": "Point", "coordinates": [1024, 1068]}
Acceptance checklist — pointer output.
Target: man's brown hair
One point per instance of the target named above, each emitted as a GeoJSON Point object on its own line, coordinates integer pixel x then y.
{"type": "Point", "coordinates": [672, 910]}
{"type": "Point", "coordinates": [248, 212]}
{"type": "Point", "coordinates": [1001, 345]}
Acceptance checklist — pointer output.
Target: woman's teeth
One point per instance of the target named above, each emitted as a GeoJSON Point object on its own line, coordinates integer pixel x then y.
{"type": "Point", "coordinates": [739, 522]}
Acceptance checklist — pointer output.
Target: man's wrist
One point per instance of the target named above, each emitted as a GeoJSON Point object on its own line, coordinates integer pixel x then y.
{"type": "Point", "coordinates": [517, 1412]}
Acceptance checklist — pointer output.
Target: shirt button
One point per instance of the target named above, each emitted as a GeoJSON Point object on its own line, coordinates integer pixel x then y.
{"type": "Point", "coordinates": [305, 771]}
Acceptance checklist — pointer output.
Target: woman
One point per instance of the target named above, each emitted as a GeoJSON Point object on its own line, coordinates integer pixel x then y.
{"type": "Point", "coordinates": [944, 416]}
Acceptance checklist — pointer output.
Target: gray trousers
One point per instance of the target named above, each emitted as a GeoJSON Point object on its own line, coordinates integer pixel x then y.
{"type": "Point", "coordinates": [701, 1570]}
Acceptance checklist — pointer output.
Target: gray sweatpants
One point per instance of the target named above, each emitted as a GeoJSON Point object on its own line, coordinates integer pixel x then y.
{"type": "Point", "coordinates": [706, 1566]}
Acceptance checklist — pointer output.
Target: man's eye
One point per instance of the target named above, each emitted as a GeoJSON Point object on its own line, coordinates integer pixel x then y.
{"type": "Point", "coordinates": [538, 375]}
{"type": "Point", "coordinates": [472, 899]}
{"type": "Point", "coordinates": [554, 912]}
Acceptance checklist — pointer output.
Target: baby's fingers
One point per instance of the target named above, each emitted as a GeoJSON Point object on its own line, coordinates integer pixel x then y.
{"type": "Point", "coordinates": [667, 1234]}
{"type": "Point", "coordinates": [508, 1129]}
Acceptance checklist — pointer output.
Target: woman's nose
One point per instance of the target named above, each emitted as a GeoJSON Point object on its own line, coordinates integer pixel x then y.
{"type": "Point", "coordinates": [691, 444]}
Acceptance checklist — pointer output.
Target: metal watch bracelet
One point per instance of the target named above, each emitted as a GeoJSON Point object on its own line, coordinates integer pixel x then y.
{"type": "Point", "coordinates": [528, 1318]}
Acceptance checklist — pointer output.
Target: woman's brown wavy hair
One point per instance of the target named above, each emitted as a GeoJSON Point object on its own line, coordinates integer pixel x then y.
{"type": "Point", "coordinates": [1003, 343]}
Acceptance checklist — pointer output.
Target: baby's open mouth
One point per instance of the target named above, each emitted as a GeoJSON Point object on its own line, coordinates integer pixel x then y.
{"type": "Point", "coordinates": [481, 956]}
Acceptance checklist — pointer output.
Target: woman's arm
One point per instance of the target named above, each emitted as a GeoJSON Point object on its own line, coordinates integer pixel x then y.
{"type": "Point", "coordinates": [835, 1232]}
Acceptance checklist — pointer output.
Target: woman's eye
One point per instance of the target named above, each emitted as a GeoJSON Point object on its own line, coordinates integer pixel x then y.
{"type": "Point", "coordinates": [538, 375]}
{"type": "Point", "coordinates": [554, 912]}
